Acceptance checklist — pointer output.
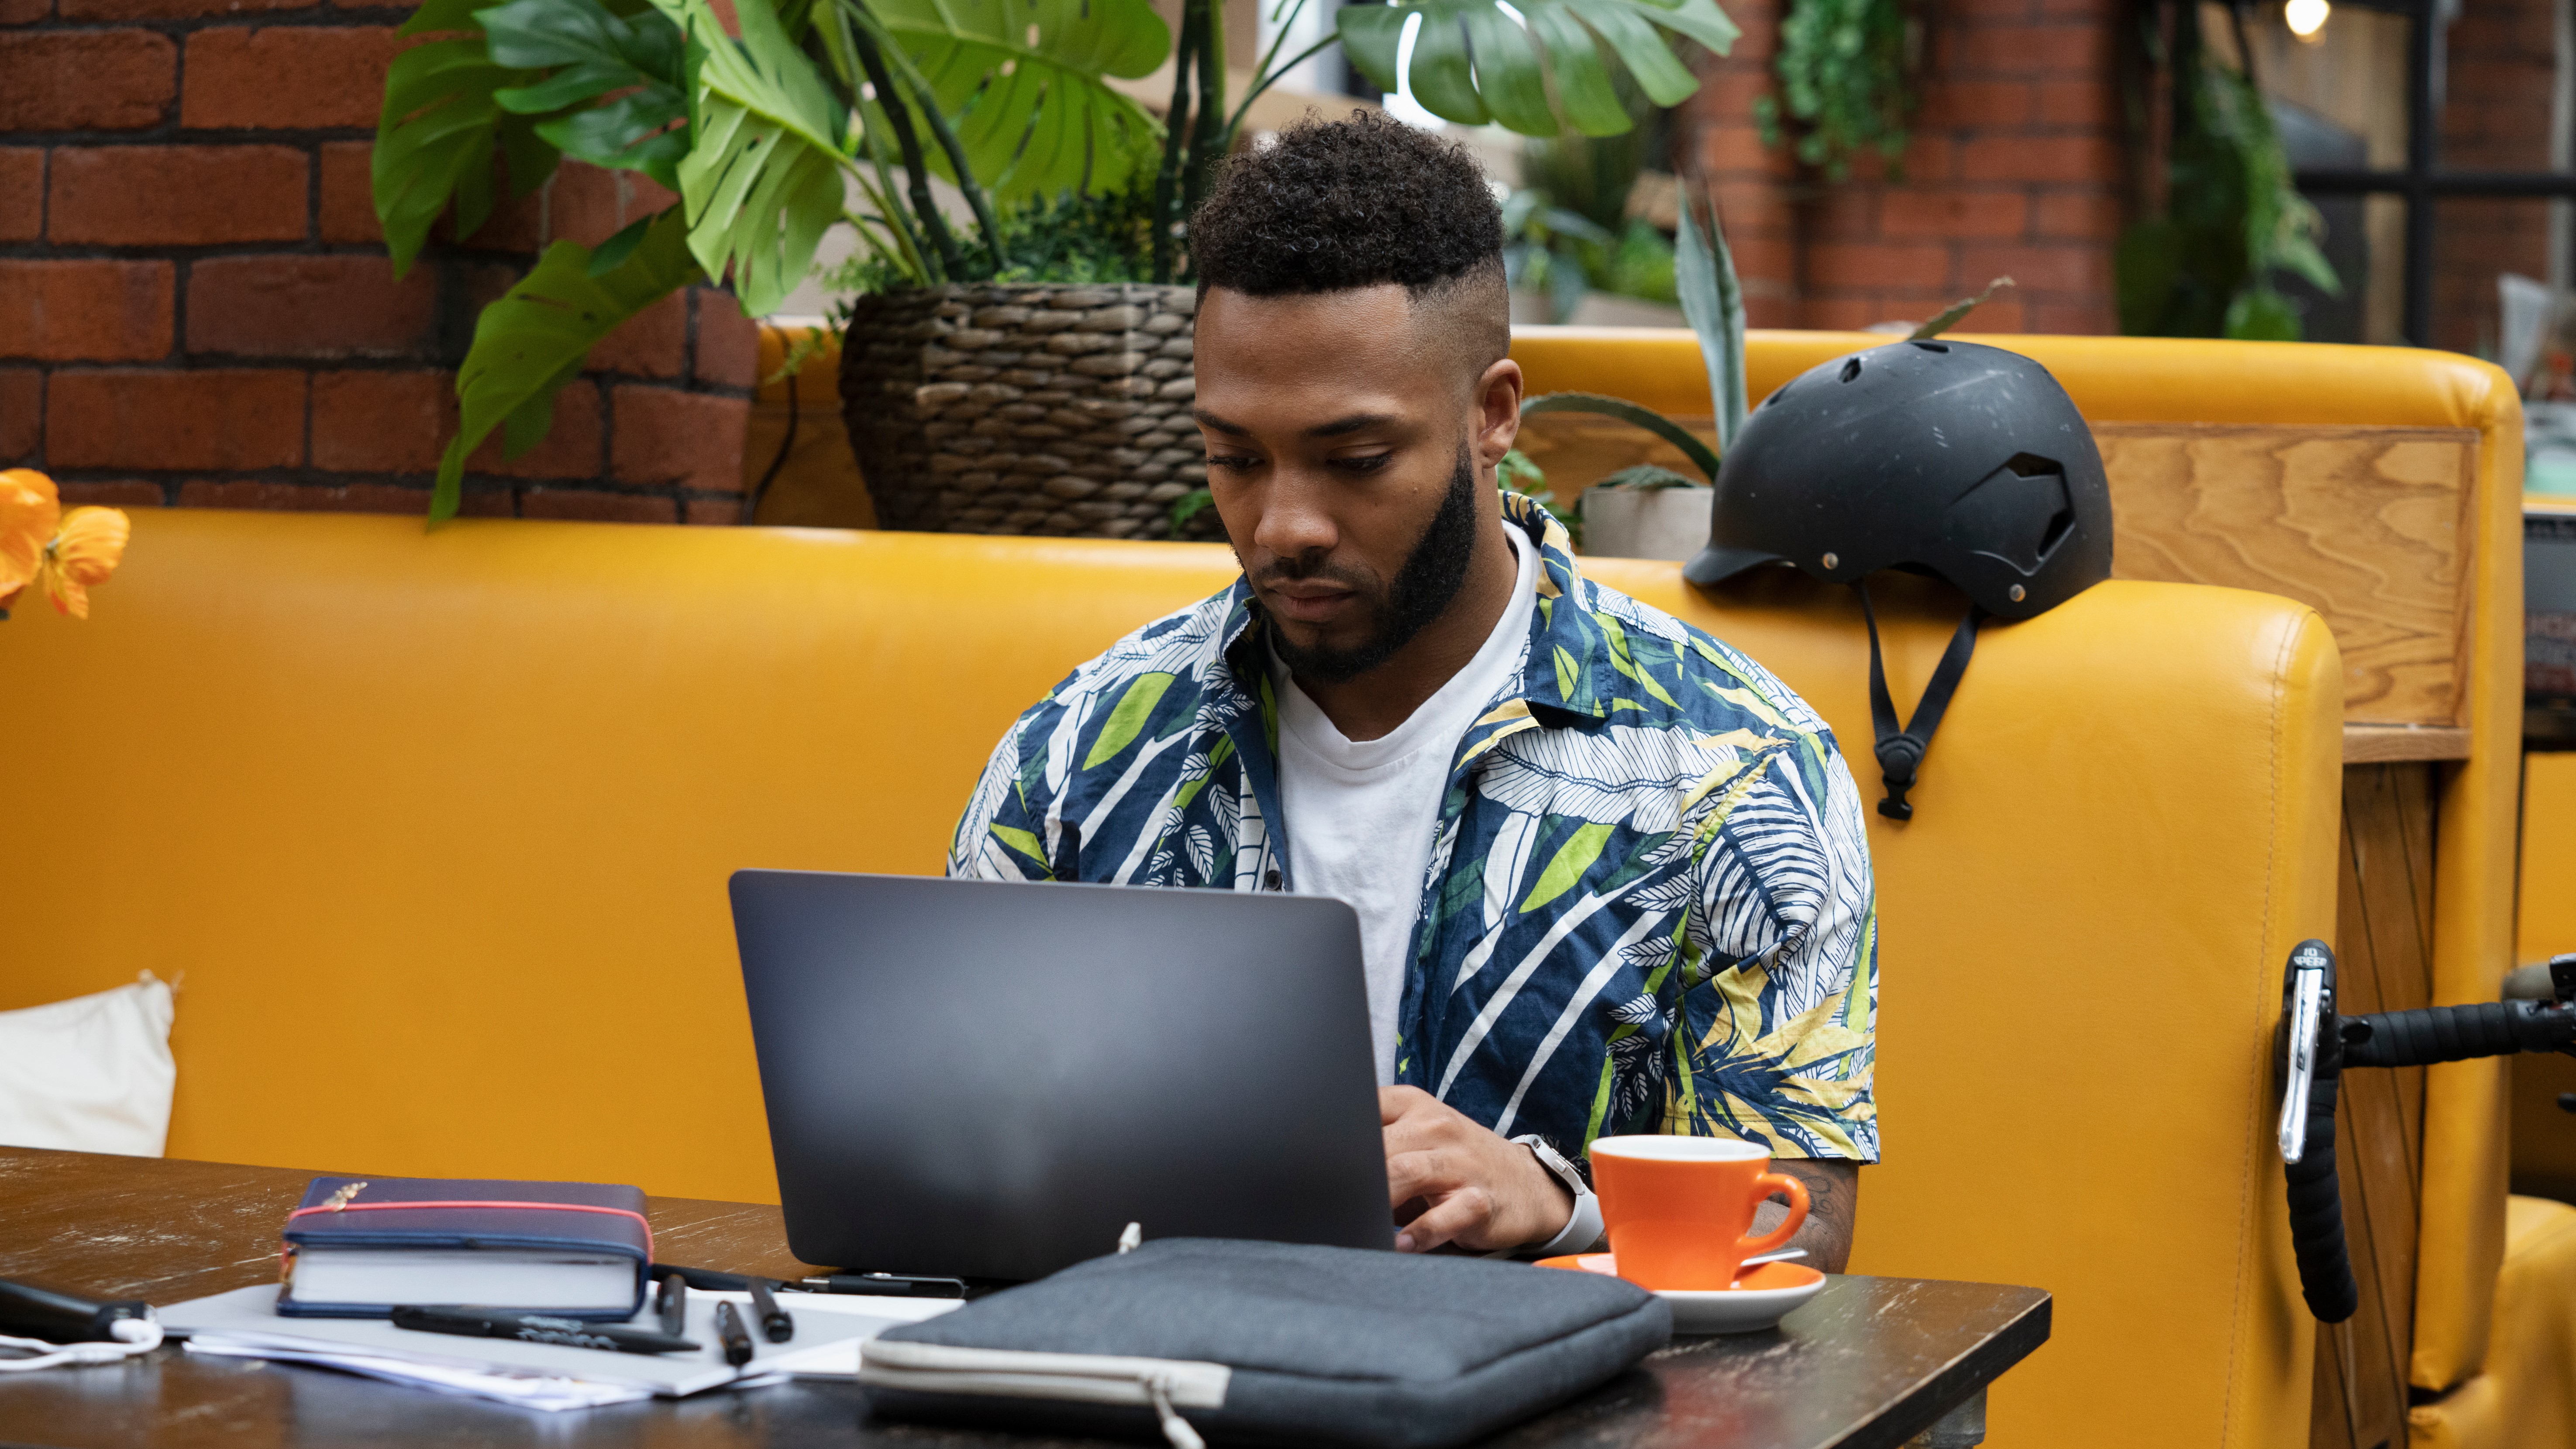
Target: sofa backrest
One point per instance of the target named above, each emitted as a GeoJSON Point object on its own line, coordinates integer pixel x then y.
{"type": "Point", "coordinates": [2381, 485]}
{"type": "Point", "coordinates": [436, 826]}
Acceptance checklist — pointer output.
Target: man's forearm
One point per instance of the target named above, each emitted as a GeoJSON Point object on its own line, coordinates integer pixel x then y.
{"type": "Point", "coordinates": [1833, 1204]}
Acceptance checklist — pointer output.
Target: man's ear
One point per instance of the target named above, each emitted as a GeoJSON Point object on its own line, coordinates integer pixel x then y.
{"type": "Point", "coordinates": [1498, 411]}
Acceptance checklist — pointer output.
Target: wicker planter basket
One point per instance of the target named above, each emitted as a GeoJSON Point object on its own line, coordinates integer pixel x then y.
{"type": "Point", "coordinates": [1025, 409]}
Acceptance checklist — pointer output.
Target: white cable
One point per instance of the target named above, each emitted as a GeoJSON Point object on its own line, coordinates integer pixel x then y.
{"type": "Point", "coordinates": [134, 1336]}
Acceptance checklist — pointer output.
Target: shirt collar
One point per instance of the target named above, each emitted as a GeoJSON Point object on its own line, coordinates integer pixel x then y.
{"type": "Point", "coordinates": [1568, 649]}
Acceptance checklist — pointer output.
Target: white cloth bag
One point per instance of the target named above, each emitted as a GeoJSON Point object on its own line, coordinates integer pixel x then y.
{"type": "Point", "coordinates": [92, 1074]}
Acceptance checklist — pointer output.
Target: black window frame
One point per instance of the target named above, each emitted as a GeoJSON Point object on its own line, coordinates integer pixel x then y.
{"type": "Point", "coordinates": [2424, 179]}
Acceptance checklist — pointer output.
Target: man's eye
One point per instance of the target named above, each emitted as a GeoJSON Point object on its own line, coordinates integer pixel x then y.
{"type": "Point", "coordinates": [1365, 463]}
{"type": "Point", "coordinates": [1238, 462]}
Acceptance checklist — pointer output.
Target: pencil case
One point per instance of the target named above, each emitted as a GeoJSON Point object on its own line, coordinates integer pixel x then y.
{"type": "Point", "coordinates": [1214, 1339]}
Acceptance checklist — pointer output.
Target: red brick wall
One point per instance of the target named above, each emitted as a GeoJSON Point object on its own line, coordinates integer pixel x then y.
{"type": "Point", "coordinates": [196, 307]}
{"type": "Point", "coordinates": [2014, 169]}
{"type": "Point", "coordinates": [2495, 117]}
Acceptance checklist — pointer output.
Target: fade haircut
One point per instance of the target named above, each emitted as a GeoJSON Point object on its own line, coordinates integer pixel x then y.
{"type": "Point", "coordinates": [1331, 206]}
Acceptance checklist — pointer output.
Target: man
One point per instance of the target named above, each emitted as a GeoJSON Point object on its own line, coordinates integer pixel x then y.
{"type": "Point", "coordinates": [1611, 875]}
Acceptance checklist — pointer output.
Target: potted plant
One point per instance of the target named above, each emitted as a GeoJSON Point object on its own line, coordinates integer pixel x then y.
{"type": "Point", "coordinates": [1649, 511]}
{"type": "Point", "coordinates": [810, 113]}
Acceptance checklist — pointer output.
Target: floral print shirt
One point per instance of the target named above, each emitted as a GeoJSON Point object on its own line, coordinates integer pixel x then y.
{"type": "Point", "coordinates": [1649, 905]}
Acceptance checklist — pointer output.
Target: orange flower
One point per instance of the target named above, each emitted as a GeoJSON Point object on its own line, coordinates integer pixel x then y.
{"type": "Point", "coordinates": [82, 555]}
{"type": "Point", "coordinates": [29, 512]}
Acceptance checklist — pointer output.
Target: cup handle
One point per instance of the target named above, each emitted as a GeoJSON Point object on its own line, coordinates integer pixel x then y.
{"type": "Point", "coordinates": [1797, 1191]}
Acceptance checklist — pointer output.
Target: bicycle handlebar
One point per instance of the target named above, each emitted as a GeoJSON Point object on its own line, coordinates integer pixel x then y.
{"type": "Point", "coordinates": [2433, 1034]}
{"type": "Point", "coordinates": [2421, 1037]}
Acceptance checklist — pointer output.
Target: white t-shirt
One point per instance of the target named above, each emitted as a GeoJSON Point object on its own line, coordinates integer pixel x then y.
{"type": "Point", "coordinates": [1361, 813]}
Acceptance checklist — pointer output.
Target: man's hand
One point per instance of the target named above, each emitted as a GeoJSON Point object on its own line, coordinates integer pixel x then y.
{"type": "Point", "coordinates": [1833, 1205]}
{"type": "Point", "coordinates": [1451, 1180]}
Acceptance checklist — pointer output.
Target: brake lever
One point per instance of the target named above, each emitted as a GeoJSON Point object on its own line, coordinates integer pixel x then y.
{"type": "Point", "coordinates": [2310, 999]}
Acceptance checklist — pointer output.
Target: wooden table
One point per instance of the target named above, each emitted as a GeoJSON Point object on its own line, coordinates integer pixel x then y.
{"type": "Point", "coordinates": [1868, 1362]}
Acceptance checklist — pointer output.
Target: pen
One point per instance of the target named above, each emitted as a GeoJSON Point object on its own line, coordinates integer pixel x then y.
{"type": "Point", "coordinates": [537, 1328]}
{"type": "Point", "coordinates": [674, 1304]}
{"type": "Point", "coordinates": [737, 1341]}
{"type": "Point", "coordinates": [883, 1285]}
{"type": "Point", "coordinates": [774, 1320]}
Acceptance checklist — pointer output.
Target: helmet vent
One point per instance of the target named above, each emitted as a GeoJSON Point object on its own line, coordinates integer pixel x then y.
{"type": "Point", "coordinates": [1851, 369]}
{"type": "Point", "coordinates": [1933, 346]}
{"type": "Point", "coordinates": [2015, 515]}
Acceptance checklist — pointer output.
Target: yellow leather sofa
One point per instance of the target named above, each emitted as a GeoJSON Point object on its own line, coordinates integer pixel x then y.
{"type": "Point", "coordinates": [436, 826]}
{"type": "Point", "coordinates": [2463, 1233]}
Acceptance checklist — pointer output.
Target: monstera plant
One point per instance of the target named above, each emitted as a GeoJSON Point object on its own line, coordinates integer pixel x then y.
{"type": "Point", "coordinates": [797, 115]}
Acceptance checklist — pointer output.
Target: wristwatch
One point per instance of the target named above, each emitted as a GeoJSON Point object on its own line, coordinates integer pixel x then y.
{"type": "Point", "coordinates": [1583, 1228]}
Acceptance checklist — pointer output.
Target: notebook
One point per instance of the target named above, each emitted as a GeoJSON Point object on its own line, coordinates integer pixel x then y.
{"type": "Point", "coordinates": [828, 1329]}
{"type": "Point", "coordinates": [358, 1247]}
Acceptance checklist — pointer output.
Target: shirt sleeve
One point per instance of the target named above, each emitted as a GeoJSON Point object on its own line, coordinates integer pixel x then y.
{"type": "Point", "coordinates": [1003, 834]}
{"type": "Point", "coordinates": [1781, 1013]}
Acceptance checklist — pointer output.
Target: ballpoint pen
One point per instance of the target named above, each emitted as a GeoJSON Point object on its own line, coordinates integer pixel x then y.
{"type": "Point", "coordinates": [736, 1339]}
{"type": "Point", "coordinates": [774, 1320]}
{"type": "Point", "coordinates": [538, 1328]}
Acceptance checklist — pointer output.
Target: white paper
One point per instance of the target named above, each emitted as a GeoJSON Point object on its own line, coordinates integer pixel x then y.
{"type": "Point", "coordinates": [829, 1328]}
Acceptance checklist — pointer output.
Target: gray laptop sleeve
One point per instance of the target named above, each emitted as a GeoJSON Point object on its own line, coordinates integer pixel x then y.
{"type": "Point", "coordinates": [1269, 1342]}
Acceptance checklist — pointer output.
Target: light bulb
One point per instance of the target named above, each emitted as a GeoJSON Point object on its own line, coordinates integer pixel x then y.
{"type": "Point", "coordinates": [2306, 17]}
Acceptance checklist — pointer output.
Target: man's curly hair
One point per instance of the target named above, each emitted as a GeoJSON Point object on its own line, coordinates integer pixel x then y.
{"type": "Point", "coordinates": [1328, 206]}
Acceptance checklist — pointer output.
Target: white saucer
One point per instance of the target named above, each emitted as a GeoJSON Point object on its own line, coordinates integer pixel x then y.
{"type": "Point", "coordinates": [1759, 1299]}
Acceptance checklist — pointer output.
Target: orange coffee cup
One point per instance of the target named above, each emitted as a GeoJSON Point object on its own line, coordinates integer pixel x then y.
{"type": "Point", "coordinates": [1676, 1208]}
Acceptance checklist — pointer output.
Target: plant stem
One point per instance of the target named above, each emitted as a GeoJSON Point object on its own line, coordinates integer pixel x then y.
{"type": "Point", "coordinates": [1175, 141]}
{"type": "Point", "coordinates": [946, 135]}
{"type": "Point", "coordinates": [1207, 145]}
{"type": "Point", "coordinates": [898, 114]}
{"type": "Point", "coordinates": [1269, 78]}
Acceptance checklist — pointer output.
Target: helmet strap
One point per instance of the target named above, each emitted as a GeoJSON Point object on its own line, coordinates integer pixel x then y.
{"type": "Point", "coordinates": [1901, 749]}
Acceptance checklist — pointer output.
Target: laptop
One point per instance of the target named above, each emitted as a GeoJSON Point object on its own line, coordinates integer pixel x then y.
{"type": "Point", "coordinates": [980, 1079]}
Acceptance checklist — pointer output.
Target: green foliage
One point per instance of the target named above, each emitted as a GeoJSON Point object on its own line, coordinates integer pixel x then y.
{"type": "Point", "coordinates": [2232, 218]}
{"type": "Point", "coordinates": [1074, 239]}
{"type": "Point", "coordinates": [1713, 300]}
{"type": "Point", "coordinates": [1847, 81]}
{"type": "Point", "coordinates": [533, 340]}
{"type": "Point", "coordinates": [1714, 303]}
{"type": "Point", "coordinates": [1700, 454]}
{"type": "Point", "coordinates": [440, 127]}
{"type": "Point", "coordinates": [1952, 315]}
{"type": "Point", "coordinates": [611, 88]}
{"type": "Point", "coordinates": [1517, 474]}
{"type": "Point", "coordinates": [1024, 81]}
{"type": "Point", "coordinates": [1562, 253]}
{"type": "Point", "coordinates": [1188, 506]}
{"type": "Point", "coordinates": [1472, 65]}
{"type": "Point", "coordinates": [762, 178]}
{"type": "Point", "coordinates": [1569, 232]}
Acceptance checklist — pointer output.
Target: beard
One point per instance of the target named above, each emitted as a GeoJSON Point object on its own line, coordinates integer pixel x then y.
{"type": "Point", "coordinates": [1433, 572]}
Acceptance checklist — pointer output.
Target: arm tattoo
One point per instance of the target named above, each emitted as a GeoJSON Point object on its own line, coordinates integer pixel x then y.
{"type": "Point", "coordinates": [1833, 1205]}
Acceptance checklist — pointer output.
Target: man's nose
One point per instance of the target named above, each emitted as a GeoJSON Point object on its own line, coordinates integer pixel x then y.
{"type": "Point", "coordinates": [1294, 519]}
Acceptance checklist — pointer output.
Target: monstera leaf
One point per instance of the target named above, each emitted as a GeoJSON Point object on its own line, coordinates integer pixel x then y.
{"type": "Point", "coordinates": [611, 88]}
{"type": "Point", "coordinates": [762, 179]}
{"type": "Point", "coordinates": [1023, 81]}
{"type": "Point", "coordinates": [439, 128]}
{"type": "Point", "coordinates": [1472, 64]}
{"type": "Point", "coordinates": [534, 339]}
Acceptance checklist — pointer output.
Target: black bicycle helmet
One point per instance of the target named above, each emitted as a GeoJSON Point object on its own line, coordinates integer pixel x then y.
{"type": "Point", "coordinates": [1962, 461]}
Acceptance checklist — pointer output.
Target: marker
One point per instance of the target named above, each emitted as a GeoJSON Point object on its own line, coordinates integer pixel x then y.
{"type": "Point", "coordinates": [537, 1328]}
{"type": "Point", "coordinates": [737, 1341]}
{"type": "Point", "coordinates": [674, 1304]}
{"type": "Point", "coordinates": [773, 1319]}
